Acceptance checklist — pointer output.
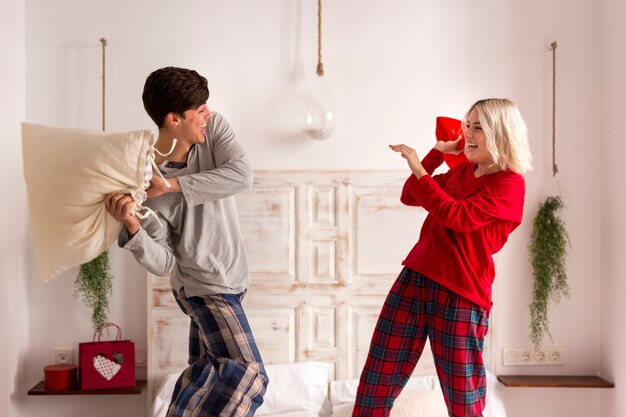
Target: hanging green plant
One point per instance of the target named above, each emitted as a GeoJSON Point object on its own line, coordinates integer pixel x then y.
{"type": "Point", "coordinates": [94, 284]}
{"type": "Point", "coordinates": [548, 250]}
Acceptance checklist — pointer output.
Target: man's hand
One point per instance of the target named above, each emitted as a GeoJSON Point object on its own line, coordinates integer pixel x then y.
{"type": "Point", "coordinates": [118, 205]}
{"type": "Point", "coordinates": [411, 157]}
{"type": "Point", "coordinates": [158, 187]}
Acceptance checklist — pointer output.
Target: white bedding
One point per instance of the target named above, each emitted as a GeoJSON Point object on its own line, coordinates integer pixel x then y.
{"type": "Point", "coordinates": [302, 389]}
{"type": "Point", "coordinates": [297, 389]}
{"type": "Point", "coordinates": [421, 397]}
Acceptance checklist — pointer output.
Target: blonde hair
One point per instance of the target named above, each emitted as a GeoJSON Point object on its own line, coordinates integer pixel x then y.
{"type": "Point", "coordinates": [505, 132]}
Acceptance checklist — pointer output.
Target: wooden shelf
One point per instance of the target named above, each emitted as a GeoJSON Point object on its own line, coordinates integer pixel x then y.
{"type": "Point", "coordinates": [138, 389]}
{"type": "Point", "coordinates": [555, 381]}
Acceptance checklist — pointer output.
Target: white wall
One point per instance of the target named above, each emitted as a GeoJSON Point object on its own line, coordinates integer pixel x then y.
{"type": "Point", "coordinates": [14, 262]}
{"type": "Point", "coordinates": [613, 268]}
{"type": "Point", "coordinates": [393, 70]}
{"type": "Point", "coordinates": [533, 26]}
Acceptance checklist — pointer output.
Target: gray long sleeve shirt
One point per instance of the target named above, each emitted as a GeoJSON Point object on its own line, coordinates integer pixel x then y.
{"type": "Point", "coordinates": [200, 225]}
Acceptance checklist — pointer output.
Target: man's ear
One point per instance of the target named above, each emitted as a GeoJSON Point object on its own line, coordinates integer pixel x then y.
{"type": "Point", "coordinates": [172, 119]}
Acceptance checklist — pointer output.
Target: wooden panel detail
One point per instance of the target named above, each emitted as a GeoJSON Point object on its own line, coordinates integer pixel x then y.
{"type": "Point", "coordinates": [274, 331]}
{"type": "Point", "coordinates": [161, 292]}
{"type": "Point", "coordinates": [168, 336]}
{"type": "Point", "coordinates": [170, 340]}
{"type": "Point", "coordinates": [322, 327]}
{"type": "Point", "coordinates": [382, 231]}
{"type": "Point", "coordinates": [322, 261]}
{"type": "Point", "coordinates": [322, 206]}
{"type": "Point", "coordinates": [268, 222]}
{"type": "Point", "coordinates": [362, 320]}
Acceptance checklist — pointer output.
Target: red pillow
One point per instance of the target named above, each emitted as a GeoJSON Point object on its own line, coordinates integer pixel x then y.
{"type": "Point", "coordinates": [450, 129]}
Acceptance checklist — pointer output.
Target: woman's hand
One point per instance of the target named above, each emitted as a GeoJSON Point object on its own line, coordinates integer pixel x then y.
{"type": "Point", "coordinates": [411, 157]}
{"type": "Point", "coordinates": [118, 205]}
{"type": "Point", "coordinates": [449, 146]}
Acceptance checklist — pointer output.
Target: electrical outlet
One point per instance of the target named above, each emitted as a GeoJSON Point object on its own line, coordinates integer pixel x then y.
{"type": "Point", "coordinates": [521, 356]}
{"type": "Point", "coordinates": [141, 357]}
{"type": "Point", "coordinates": [64, 356]}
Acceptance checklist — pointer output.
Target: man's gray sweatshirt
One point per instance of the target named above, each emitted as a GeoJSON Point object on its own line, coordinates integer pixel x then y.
{"type": "Point", "coordinates": [200, 225]}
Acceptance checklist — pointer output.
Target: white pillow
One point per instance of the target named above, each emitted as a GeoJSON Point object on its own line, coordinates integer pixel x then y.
{"type": "Point", "coordinates": [163, 396]}
{"type": "Point", "coordinates": [298, 389]}
{"type": "Point", "coordinates": [297, 413]}
{"type": "Point", "coordinates": [494, 406]}
{"type": "Point", "coordinates": [410, 403]}
{"type": "Point", "coordinates": [68, 172]}
{"type": "Point", "coordinates": [298, 386]}
{"type": "Point", "coordinates": [343, 393]}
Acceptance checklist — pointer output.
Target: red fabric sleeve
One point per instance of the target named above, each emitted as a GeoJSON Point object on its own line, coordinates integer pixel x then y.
{"type": "Point", "coordinates": [431, 162]}
{"type": "Point", "coordinates": [501, 198]}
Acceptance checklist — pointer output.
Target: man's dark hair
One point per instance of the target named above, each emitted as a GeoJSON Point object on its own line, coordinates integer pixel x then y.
{"type": "Point", "coordinates": [173, 90]}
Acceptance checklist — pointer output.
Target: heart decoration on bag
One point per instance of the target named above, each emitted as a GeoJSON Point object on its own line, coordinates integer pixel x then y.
{"type": "Point", "coordinates": [106, 367]}
{"type": "Point", "coordinates": [107, 363]}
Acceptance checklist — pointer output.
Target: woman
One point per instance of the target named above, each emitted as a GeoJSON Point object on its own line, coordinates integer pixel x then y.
{"type": "Point", "coordinates": [444, 290]}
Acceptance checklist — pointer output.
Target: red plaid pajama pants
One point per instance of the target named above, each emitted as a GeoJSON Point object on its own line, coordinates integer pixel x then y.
{"type": "Point", "coordinates": [417, 308]}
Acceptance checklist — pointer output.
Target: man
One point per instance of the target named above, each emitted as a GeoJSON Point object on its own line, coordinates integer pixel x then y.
{"type": "Point", "coordinates": [200, 232]}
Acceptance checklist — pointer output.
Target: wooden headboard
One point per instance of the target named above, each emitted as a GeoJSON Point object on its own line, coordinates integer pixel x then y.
{"type": "Point", "coordinates": [324, 247]}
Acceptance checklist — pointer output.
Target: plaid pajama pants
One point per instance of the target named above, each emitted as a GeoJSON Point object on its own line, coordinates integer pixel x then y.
{"type": "Point", "coordinates": [417, 308]}
{"type": "Point", "coordinates": [225, 376]}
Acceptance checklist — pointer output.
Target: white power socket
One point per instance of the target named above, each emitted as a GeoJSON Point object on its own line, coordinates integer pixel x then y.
{"type": "Point", "coordinates": [522, 356]}
{"type": "Point", "coordinates": [64, 356]}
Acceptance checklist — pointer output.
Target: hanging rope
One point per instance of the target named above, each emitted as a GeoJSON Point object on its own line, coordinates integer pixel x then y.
{"type": "Point", "coordinates": [320, 64]}
{"type": "Point", "coordinates": [104, 45]}
{"type": "Point", "coordinates": [94, 279]}
{"type": "Point", "coordinates": [555, 169]}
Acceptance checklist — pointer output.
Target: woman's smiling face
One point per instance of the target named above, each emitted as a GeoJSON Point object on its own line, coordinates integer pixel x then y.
{"type": "Point", "coordinates": [476, 141]}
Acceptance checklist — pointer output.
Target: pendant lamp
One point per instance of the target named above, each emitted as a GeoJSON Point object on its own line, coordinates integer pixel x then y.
{"type": "Point", "coordinates": [317, 118]}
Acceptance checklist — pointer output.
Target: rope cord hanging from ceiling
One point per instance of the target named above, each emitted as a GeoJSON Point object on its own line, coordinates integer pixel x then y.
{"type": "Point", "coordinates": [320, 64]}
{"type": "Point", "coordinates": [103, 41]}
{"type": "Point", "coordinates": [555, 168]}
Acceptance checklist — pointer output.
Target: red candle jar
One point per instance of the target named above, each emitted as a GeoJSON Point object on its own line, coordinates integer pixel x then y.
{"type": "Point", "coordinates": [60, 377]}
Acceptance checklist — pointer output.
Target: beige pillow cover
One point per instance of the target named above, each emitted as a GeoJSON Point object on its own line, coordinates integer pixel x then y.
{"type": "Point", "coordinates": [68, 172]}
{"type": "Point", "coordinates": [410, 403]}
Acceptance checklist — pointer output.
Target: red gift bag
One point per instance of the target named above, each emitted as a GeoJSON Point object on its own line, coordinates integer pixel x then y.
{"type": "Point", "coordinates": [107, 364]}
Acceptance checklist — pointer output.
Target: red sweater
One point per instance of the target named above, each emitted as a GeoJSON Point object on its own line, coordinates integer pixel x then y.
{"type": "Point", "coordinates": [469, 219]}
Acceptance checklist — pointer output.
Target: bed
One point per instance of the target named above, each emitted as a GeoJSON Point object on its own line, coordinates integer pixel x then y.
{"type": "Point", "coordinates": [324, 248]}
